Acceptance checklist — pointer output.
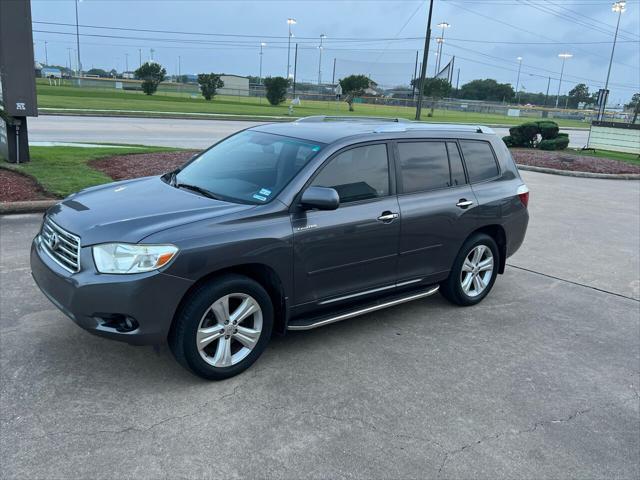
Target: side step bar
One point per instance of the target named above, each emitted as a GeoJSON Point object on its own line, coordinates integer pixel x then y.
{"type": "Point", "coordinates": [321, 322]}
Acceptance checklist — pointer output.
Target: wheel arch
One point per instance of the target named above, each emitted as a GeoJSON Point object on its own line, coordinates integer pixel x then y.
{"type": "Point", "coordinates": [266, 276]}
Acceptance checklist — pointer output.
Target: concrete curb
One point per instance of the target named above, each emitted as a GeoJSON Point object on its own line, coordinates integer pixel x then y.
{"type": "Point", "coordinates": [570, 173]}
{"type": "Point", "coordinates": [13, 208]}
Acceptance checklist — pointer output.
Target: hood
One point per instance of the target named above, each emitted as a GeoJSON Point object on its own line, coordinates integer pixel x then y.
{"type": "Point", "coordinates": [134, 209]}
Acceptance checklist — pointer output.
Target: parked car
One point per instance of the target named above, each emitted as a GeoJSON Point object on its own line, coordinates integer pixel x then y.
{"type": "Point", "coordinates": [280, 227]}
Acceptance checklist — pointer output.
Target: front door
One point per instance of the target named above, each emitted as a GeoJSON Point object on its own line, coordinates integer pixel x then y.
{"type": "Point", "coordinates": [353, 249]}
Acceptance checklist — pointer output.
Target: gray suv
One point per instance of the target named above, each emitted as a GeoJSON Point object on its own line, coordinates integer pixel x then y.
{"type": "Point", "coordinates": [284, 227]}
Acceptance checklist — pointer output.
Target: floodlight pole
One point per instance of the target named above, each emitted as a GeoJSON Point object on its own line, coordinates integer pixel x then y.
{"type": "Point", "coordinates": [425, 57]}
{"type": "Point", "coordinates": [322, 37]}
{"type": "Point", "coordinates": [290, 21]}
{"type": "Point", "coordinates": [518, 81]}
{"type": "Point", "coordinates": [295, 70]}
{"type": "Point", "coordinates": [564, 57]}
{"type": "Point", "coordinates": [618, 7]}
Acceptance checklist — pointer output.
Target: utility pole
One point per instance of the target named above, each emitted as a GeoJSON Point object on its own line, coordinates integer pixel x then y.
{"type": "Point", "coordinates": [333, 77]}
{"type": "Point", "coordinates": [457, 82]}
{"type": "Point", "coordinates": [126, 62]}
{"type": "Point", "coordinates": [618, 7]}
{"type": "Point", "coordinates": [425, 57]}
{"type": "Point", "coordinates": [290, 21]}
{"type": "Point", "coordinates": [139, 57]}
{"type": "Point", "coordinates": [295, 70]}
{"type": "Point", "coordinates": [179, 69]}
{"type": "Point", "coordinates": [546, 98]}
{"type": "Point", "coordinates": [564, 57]}
{"type": "Point", "coordinates": [262, 45]}
{"type": "Point", "coordinates": [322, 37]}
{"type": "Point", "coordinates": [70, 63]}
{"type": "Point", "coordinates": [415, 79]}
{"type": "Point", "coordinates": [518, 81]}
{"type": "Point", "coordinates": [151, 50]}
{"type": "Point", "coordinates": [46, 56]}
{"type": "Point", "coordinates": [78, 44]}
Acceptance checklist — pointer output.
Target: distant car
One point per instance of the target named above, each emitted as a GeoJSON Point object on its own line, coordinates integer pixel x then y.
{"type": "Point", "coordinates": [288, 226]}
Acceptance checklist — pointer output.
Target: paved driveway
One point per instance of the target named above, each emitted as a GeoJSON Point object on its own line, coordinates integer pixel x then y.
{"type": "Point", "coordinates": [539, 381]}
{"type": "Point", "coordinates": [182, 133]}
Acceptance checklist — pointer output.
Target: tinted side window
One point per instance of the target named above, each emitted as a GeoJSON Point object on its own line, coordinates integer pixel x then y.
{"type": "Point", "coordinates": [423, 166]}
{"type": "Point", "coordinates": [478, 156]}
{"type": "Point", "coordinates": [360, 173]}
{"type": "Point", "coordinates": [455, 162]}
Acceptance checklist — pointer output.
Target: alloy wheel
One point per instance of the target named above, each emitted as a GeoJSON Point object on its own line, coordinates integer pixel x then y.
{"type": "Point", "coordinates": [477, 271]}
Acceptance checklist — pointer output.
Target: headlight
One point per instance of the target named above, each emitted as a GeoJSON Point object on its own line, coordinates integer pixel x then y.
{"type": "Point", "coordinates": [131, 258]}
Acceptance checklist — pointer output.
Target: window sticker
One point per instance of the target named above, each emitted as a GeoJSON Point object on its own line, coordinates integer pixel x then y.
{"type": "Point", "coordinates": [260, 197]}
{"type": "Point", "coordinates": [265, 191]}
{"type": "Point", "coordinates": [316, 148]}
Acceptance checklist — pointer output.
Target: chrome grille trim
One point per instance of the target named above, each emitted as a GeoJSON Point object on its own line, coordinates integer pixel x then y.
{"type": "Point", "coordinates": [67, 251]}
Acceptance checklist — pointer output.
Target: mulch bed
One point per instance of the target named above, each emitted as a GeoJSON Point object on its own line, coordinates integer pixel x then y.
{"type": "Point", "coordinates": [141, 165]}
{"type": "Point", "coordinates": [571, 161]}
{"type": "Point", "coordinates": [16, 187]}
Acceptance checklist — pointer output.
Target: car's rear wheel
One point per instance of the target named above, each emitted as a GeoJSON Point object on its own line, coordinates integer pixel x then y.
{"type": "Point", "coordinates": [223, 327]}
{"type": "Point", "coordinates": [474, 271]}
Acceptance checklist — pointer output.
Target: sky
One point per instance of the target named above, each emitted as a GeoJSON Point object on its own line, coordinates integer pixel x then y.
{"type": "Point", "coordinates": [378, 38]}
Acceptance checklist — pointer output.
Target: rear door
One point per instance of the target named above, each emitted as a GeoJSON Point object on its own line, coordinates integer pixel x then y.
{"type": "Point", "coordinates": [437, 207]}
{"type": "Point", "coordinates": [353, 249]}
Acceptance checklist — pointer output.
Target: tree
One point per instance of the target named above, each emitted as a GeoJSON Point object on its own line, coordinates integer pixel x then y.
{"type": "Point", "coordinates": [354, 86]}
{"type": "Point", "coordinates": [276, 89]}
{"type": "Point", "coordinates": [209, 83]}
{"type": "Point", "coordinates": [434, 87]}
{"type": "Point", "coordinates": [151, 74]}
{"type": "Point", "coordinates": [578, 94]}
{"type": "Point", "coordinates": [634, 105]}
{"type": "Point", "coordinates": [487, 89]}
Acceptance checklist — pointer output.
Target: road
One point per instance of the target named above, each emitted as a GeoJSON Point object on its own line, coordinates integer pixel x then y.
{"type": "Point", "coordinates": [541, 380]}
{"type": "Point", "coordinates": [167, 132]}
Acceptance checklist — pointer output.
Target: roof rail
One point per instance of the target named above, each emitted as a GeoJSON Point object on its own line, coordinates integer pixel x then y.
{"type": "Point", "coordinates": [345, 118]}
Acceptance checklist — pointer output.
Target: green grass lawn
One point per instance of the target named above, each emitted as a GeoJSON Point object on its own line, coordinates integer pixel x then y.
{"type": "Point", "coordinates": [631, 158]}
{"type": "Point", "coordinates": [104, 99]}
{"type": "Point", "coordinates": [64, 170]}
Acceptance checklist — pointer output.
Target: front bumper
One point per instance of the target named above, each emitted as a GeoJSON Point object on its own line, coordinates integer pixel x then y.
{"type": "Point", "coordinates": [92, 299]}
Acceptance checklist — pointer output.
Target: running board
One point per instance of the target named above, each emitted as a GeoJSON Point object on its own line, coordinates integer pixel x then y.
{"type": "Point", "coordinates": [326, 320]}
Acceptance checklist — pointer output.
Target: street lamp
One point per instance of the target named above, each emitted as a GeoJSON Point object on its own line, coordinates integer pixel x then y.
{"type": "Point", "coordinates": [440, 41]}
{"type": "Point", "coordinates": [262, 45]}
{"type": "Point", "coordinates": [619, 8]}
{"type": "Point", "coordinates": [322, 37]}
{"type": "Point", "coordinates": [564, 57]}
{"type": "Point", "coordinates": [290, 21]}
{"type": "Point", "coordinates": [518, 81]}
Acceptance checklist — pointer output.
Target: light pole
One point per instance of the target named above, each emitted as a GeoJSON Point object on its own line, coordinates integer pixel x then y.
{"type": "Point", "coordinates": [290, 21]}
{"type": "Point", "coordinates": [78, 42]}
{"type": "Point", "coordinates": [139, 57]}
{"type": "Point", "coordinates": [619, 8]}
{"type": "Point", "coordinates": [518, 80]}
{"type": "Point", "coordinates": [262, 45]}
{"type": "Point", "coordinates": [322, 37]}
{"type": "Point", "coordinates": [46, 56]}
{"type": "Point", "coordinates": [126, 62]}
{"type": "Point", "coordinates": [564, 57]}
{"type": "Point", "coordinates": [440, 41]}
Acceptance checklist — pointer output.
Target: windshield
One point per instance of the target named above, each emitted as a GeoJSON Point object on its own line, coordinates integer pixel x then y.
{"type": "Point", "coordinates": [250, 167]}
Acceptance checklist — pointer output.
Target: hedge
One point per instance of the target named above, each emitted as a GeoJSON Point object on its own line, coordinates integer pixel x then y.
{"type": "Point", "coordinates": [559, 143]}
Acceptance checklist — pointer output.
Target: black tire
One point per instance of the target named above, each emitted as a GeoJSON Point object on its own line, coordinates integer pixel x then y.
{"type": "Point", "coordinates": [182, 338]}
{"type": "Point", "coordinates": [452, 289]}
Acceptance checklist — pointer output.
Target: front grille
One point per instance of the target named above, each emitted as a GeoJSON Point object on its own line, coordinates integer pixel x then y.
{"type": "Point", "coordinates": [62, 246]}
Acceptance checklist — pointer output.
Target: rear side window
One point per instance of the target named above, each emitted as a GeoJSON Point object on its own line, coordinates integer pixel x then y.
{"type": "Point", "coordinates": [360, 173]}
{"type": "Point", "coordinates": [423, 166]}
{"type": "Point", "coordinates": [479, 159]}
{"type": "Point", "coordinates": [455, 162]}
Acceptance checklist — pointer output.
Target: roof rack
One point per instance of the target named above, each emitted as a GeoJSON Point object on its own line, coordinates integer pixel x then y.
{"type": "Point", "coordinates": [357, 119]}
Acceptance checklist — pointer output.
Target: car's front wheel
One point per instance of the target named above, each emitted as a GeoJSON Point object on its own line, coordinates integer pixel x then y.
{"type": "Point", "coordinates": [223, 327]}
{"type": "Point", "coordinates": [474, 271]}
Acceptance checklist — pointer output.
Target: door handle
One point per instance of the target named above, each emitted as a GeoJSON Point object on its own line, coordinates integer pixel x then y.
{"type": "Point", "coordinates": [388, 217]}
{"type": "Point", "coordinates": [464, 203]}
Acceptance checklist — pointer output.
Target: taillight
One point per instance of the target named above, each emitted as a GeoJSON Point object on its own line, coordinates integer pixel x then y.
{"type": "Point", "coordinates": [523, 194]}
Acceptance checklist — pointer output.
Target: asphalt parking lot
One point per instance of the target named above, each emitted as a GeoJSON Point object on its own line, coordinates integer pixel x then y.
{"type": "Point", "coordinates": [541, 380]}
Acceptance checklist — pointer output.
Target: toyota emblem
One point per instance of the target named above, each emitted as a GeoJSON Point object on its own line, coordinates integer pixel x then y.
{"type": "Point", "coordinates": [54, 241]}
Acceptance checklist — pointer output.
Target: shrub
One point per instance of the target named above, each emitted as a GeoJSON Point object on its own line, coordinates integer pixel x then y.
{"type": "Point", "coordinates": [524, 135]}
{"type": "Point", "coordinates": [276, 89]}
{"type": "Point", "coordinates": [559, 143]}
{"type": "Point", "coordinates": [151, 74]}
{"type": "Point", "coordinates": [508, 141]}
{"type": "Point", "coordinates": [209, 83]}
{"type": "Point", "coordinates": [548, 129]}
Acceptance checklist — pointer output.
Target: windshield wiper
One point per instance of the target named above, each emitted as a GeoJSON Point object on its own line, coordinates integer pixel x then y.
{"type": "Point", "coordinates": [200, 190]}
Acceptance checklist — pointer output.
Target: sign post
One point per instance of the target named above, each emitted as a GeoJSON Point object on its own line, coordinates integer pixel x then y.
{"type": "Point", "coordinates": [17, 79]}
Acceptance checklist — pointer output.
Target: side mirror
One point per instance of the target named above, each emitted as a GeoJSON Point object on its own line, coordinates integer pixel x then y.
{"type": "Point", "coordinates": [322, 198]}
